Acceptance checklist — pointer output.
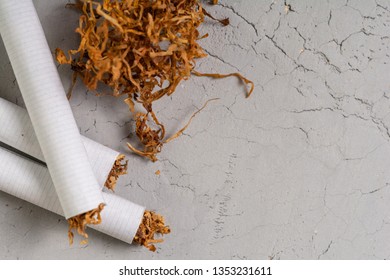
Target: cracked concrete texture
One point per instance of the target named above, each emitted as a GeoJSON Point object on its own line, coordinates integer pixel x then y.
{"type": "Point", "coordinates": [300, 170]}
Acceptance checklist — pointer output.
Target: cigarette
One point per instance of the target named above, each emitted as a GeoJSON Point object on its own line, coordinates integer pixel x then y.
{"type": "Point", "coordinates": [54, 125]}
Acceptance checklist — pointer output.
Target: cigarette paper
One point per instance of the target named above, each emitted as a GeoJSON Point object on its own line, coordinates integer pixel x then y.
{"type": "Point", "coordinates": [55, 128]}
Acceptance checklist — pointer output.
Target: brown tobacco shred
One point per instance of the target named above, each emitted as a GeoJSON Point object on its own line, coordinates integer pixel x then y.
{"type": "Point", "coordinates": [180, 132]}
{"type": "Point", "coordinates": [224, 21]}
{"type": "Point", "coordinates": [80, 222]}
{"type": "Point", "coordinates": [219, 76]}
{"type": "Point", "coordinates": [142, 50]}
{"type": "Point", "coordinates": [151, 224]}
{"type": "Point", "coordinates": [119, 168]}
{"type": "Point", "coordinates": [153, 140]}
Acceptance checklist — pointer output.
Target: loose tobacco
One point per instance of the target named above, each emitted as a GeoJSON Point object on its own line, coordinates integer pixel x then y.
{"type": "Point", "coordinates": [80, 222]}
{"type": "Point", "coordinates": [151, 224]}
{"type": "Point", "coordinates": [141, 49]}
{"type": "Point", "coordinates": [119, 168]}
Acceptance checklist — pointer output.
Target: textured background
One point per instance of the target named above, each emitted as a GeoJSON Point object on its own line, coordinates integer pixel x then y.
{"type": "Point", "coordinates": [298, 171]}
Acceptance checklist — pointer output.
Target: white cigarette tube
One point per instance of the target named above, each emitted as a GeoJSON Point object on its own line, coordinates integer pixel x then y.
{"type": "Point", "coordinates": [29, 181]}
{"type": "Point", "coordinates": [49, 110]}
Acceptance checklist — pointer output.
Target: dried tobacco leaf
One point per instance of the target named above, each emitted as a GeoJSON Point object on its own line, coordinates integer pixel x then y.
{"type": "Point", "coordinates": [219, 76]}
{"type": "Point", "coordinates": [119, 168]}
{"type": "Point", "coordinates": [151, 224]}
{"type": "Point", "coordinates": [153, 140]}
{"type": "Point", "coordinates": [224, 21]}
{"type": "Point", "coordinates": [80, 222]}
{"type": "Point", "coordinates": [141, 49]}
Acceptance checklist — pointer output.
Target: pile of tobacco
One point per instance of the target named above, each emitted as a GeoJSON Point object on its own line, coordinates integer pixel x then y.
{"type": "Point", "coordinates": [141, 49]}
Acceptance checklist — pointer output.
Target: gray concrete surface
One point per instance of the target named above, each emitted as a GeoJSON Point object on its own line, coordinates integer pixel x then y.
{"type": "Point", "coordinates": [301, 170]}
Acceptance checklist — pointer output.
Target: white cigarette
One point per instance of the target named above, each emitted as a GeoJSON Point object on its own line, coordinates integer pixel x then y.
{"type": "Point", "coordinates": [56, 130]}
